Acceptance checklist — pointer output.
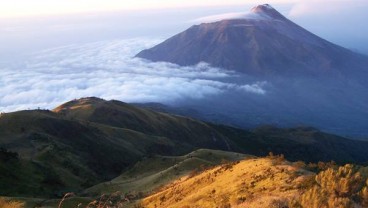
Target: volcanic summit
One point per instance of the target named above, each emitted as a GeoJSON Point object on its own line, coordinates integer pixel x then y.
{"type": "Point", "coordinates": [259, 42]}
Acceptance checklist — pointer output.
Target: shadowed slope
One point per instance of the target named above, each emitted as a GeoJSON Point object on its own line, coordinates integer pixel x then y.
{"type": "Point", "coordinates": [185, 130]}
{"type": "Point", "coordinates": [73, 150]}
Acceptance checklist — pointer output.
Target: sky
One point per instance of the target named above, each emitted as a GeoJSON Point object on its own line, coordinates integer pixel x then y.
{"type": "Point", "coordinates": [26, 8]}
{"type": "Point", "coordinates": [16, 8]}
{"type": "Point", "coordinates": [27, 25]}
{"type": "Point", "coordinates": [52, 51]}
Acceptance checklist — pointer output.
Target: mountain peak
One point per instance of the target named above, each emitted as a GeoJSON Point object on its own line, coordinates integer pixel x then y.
{"type": "Point", "coordinates": [260, 42]}
{"type": "Point", "coordinates": [262, 7]}
{"type": "Point", "coordinates": [268, 10]}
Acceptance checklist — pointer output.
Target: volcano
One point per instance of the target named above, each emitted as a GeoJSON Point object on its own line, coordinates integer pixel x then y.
{"type": "Point", "coordinates": [260, 42]}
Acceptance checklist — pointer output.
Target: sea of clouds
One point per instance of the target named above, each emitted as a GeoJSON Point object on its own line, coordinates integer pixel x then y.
{"type": "Point", "coordinates": [109, 70]}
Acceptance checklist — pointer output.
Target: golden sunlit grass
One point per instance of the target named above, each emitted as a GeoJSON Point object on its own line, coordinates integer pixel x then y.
{"type": "Point", "coordinates": [10, 204]}
{"type": "Point", "coordinates": [267, 182]}
{"type": "Point", "coordinates": [253, 183]}
{"type": "Point", "coordinates": [342, 187]}
{"type": "Point", "coordinates": [264, 182]}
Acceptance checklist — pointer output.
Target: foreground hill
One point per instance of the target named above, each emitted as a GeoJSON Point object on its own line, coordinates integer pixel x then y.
{"type": "Point", "coordinates": [266, 182]}
{"type": "Point", "coordinates": [88, 141]}
{"type": "Point", "coordinates": [139, 180]}
{"type": "Point", "coordinates": [242, 181]}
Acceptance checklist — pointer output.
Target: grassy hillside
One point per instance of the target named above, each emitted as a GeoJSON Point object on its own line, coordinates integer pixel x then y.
{"type": "Point", "coordinates": [88, 141]}
{"type": "Point", "coordinates": [66, 155]}
{"type": "Point", "coordinates": [242, 181]}
{"type": "Point", "coordinates": [142, 178]}
{"type": "Point", "coordinates": [250, 183]}
{"type": "Point", "coordinates": [266, 182]}
{"type": "Point", "coordinates": [122, 115]}
{"type": "Point", "coordinates": [154, 172]}
{"type": "Point", "coordinates": [58, 153]}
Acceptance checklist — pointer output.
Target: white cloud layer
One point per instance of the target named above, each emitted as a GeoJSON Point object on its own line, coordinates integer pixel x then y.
{"type": "Point", "coordinates": [108, 70]}
{"type": "Point", "coordinates": [235, 15]}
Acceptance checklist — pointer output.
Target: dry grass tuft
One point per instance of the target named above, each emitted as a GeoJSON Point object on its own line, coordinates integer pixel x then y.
{"type": "Point", "coordinates": [10, 204]}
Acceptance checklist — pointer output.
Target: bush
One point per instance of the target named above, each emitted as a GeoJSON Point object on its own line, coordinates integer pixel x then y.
{"type": "Point", "coordinates": [338, 188]}
{"type": "Point", "coordinates": [343, 182]}
{"type": "Point", "coordinates": [364, 195]}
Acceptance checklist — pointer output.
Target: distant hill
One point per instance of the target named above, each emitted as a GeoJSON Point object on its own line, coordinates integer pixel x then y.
{"type": "Point", "coordinates": [181, 130]}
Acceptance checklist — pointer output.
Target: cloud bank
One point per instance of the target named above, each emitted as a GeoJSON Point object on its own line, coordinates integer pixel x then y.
{"type": "Point", "coordinates": [235, 15]}
{"type": "Point", "coordinates": [108, 70]}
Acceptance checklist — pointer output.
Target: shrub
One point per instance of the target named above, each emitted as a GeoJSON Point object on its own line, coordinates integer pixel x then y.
{"type": "Point", "coordinates": [343, 182]}
{"type": "Point", "coordinates": [6, 155]}
{"type": "Point", "coordinates": [314, 198]}
{"type": "Point", "coordinates": [364, 195]}
{"type": "Point", "coordinates": [338, 188]}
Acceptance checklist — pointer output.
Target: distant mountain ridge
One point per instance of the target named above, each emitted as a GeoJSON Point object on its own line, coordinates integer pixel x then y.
{"type": "Point", "coordinates": [262, 42]}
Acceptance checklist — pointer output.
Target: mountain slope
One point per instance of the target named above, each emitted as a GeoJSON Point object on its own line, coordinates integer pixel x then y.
{"type": "Point", "coordinates": [87, 141]}
{"type": "Point", "coordinates": [262, 42]}
{"type": "Point", "coordinates": [250, 183]}
{"type": "Point", "coordinates": [151, 173]}
{"type": "Point", "coordinates": [187, 131]}
{"type": "Point", "coordinates": [70, 153]}
{"type": "Point", "coordinates": [139, 180]}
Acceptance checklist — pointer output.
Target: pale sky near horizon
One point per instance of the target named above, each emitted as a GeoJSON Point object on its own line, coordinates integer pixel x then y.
{"type": "Point", "coordinates": [29, 25]}
{"type": "Point", "coordinates": [24, 8]}
{"type": "Point", "coordinates": [18, 8]}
